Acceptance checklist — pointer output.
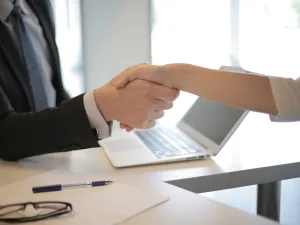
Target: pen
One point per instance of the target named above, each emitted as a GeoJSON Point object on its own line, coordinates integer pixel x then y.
{"type": "Point", "coordinates": [59, 187]}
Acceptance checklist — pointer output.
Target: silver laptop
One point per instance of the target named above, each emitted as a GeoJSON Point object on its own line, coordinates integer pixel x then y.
{"type": "Point", "coordinates": [201, 133]}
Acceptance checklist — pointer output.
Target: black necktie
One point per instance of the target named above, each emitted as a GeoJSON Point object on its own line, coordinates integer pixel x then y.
{"type": "Point", "coordinates": [34, 70]}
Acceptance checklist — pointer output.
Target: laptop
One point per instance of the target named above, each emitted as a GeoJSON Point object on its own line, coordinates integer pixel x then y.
{"type": "Point", "coordinates": [201, 133]}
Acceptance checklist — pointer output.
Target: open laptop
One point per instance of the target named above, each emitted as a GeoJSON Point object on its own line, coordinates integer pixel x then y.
{"type": "Point", "coordinates": [201, 133]}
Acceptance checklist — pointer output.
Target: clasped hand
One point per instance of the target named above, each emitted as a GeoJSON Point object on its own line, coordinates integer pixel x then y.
{"type": "Point", "coordinates": [136, 97]}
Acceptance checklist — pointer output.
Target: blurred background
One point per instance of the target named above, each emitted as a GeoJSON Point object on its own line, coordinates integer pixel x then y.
{"type": "Point", "coordinates": [97, 39]}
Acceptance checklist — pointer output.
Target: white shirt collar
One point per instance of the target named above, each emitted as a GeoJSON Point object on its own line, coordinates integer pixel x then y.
{"type": "Point", "coordinates": [6, 6]}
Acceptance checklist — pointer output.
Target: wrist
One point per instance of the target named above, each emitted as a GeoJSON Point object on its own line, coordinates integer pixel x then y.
{"type": "Point", "coordinates": [171, 72]}
{"type": "Point", "coordinates": [104, 98]}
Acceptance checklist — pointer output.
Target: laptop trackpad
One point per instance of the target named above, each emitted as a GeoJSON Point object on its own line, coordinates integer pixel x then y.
{"type": "Point", "coordinates": [124, 144]}
{"type": "Point", "coordinates": [127, 151]}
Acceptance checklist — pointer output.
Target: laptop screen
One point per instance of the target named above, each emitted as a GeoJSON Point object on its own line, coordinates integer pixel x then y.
{"type": "Point", "coordinates": [212, 119]}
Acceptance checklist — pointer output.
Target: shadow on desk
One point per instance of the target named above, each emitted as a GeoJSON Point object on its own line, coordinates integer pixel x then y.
{"type": "Point", "coordinates": [31, 166]}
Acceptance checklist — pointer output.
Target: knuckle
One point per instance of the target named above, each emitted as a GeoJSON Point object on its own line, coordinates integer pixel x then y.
{"type": "Point", "coordinates": [167, 105]}
{"type": "Point", "coordinates": [151, 123]}
{"type": "Point", "coordinates": [170, 106]}
{"type": "Point", "coordinates": [174, 94]}
{"type": "Point", "coordinates": [161, 114]}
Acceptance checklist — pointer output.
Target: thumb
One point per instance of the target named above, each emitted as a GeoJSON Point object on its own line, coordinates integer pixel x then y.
{"type": "Point", "coordinates": [126, 76]}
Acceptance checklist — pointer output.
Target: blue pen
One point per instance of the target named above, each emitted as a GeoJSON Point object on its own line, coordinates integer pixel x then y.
{"type": "Point", "coordinates": [59, 187]}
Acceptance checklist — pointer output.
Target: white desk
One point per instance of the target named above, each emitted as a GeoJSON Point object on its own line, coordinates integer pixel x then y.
{"type": "Point", "coordinates": [243, 161]}
{"type": "Point", "coordinates": [184, 207]}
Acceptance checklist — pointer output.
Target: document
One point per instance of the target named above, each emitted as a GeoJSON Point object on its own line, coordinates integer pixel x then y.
{"type": "Point", "coordinates": [104, 205]}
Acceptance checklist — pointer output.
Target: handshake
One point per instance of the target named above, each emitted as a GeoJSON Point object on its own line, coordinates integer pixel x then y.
{"type": "Point", "coordinates": [137, 97]}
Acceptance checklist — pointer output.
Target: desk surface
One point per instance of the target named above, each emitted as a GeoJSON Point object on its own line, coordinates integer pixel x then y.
{"type": "Point", "coordinates": [244, 160]}
{"type": "Point", "coordinates": [184, 207]}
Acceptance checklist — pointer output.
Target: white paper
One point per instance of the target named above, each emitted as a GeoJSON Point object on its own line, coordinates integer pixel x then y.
{"type": "Point", "coordinates": [105, 205]}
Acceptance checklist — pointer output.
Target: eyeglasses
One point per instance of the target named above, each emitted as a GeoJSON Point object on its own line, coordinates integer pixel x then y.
{"type": "Point", "coordinates": [22, 212]}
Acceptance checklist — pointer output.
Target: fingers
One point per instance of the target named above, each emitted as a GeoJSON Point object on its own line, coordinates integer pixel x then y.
{"type": "Point", "coordinates": [162, 105]}
{"type": "Point", "coordinates": [126, 127]}
{"type": "Point", "coordinates": [128, 75]}
{"type": "Point", "coordinates": [122, 125]}
{"type": "Point", "coordinates": [151, 102]}
{"type": "Point", "coordinates": [149, 124]}
{"type": "Point", "coordinates": [144, 71]}
{"type": "Point", "coordinates": [159, 114]}
{"type": "Point", "coordinates": [129, 128]}
{"type": "Point", "coordinates": [165, 93]}
{"type": "Point", "coordinates": [134, 66]}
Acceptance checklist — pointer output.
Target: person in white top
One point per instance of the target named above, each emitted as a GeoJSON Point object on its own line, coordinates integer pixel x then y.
{"type": "Point", "coordinates": [286, 93]}
{"type": "Point", "coordinates": [279, 97]}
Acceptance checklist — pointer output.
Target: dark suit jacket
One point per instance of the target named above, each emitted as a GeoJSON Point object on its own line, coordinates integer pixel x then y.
{"type": "Point", "coordinates": [24, 132]}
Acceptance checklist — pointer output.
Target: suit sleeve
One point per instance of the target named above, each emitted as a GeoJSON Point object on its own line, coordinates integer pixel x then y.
{"type": "Point", "coordinates": [59, 129]}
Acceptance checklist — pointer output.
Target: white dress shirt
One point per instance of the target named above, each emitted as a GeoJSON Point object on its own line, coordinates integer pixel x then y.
{"type": "Point", "coordinates": [286, 93]}
{"type": "Point", "coordinates": [41, 49]}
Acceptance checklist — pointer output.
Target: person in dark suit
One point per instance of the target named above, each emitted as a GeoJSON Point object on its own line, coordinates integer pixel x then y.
{"type": "Point", "coordinates": [36, 114]}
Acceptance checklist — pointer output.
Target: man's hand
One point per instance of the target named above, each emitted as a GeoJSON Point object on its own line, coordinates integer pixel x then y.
{"type": "Point", "coordinates": [144, 71]}
{"type": "Point", "coordinates": [137, 105]}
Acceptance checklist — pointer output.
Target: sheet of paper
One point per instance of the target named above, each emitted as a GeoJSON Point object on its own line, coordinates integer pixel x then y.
{"type": "Point", "coordinates": [111, 204]}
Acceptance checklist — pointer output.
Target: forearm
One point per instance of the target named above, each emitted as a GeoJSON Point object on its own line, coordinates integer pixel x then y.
{"type": "Point", "coordinates": [60, 129]}
{"type": "Point", "coordinates": [239, 90]}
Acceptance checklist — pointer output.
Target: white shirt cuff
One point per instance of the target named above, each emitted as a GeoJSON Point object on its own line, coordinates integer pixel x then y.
{"type": "Point", "coordinates": [286, 93]}
{"type": "Point", "coordinates": [94, 116]}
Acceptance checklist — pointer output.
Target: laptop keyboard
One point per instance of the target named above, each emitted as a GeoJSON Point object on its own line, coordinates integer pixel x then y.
{"type": "Point", "coordinates": [166, 143]}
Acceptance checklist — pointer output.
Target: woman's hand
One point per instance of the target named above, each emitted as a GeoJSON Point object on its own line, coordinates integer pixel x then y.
{"type": "Point", "coordinates": [144, 71]}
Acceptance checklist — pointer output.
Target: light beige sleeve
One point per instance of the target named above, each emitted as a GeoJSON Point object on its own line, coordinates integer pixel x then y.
{"type": "Point", "coordinates": [286, 93]}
